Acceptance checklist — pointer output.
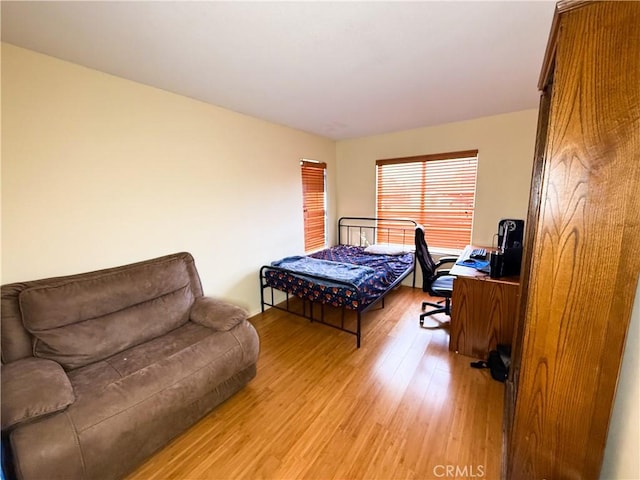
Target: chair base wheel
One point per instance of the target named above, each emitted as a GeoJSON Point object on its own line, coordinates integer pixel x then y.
{"type": "Point", "coordinates": [435, 324]}
{"type": "Point", "coordinates": [439, 308]}
{"type": "Point", "coordinates": [432, 304]}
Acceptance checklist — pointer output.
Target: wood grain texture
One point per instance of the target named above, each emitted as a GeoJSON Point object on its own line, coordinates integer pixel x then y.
{"type": "Point", "coordinates": [529, 241]}
{"type": "Point", "coordinates": [483, 313]}
{"type": "Point", "coordinates": [584, 261]}
{"type": "Point", "coordinates": [401, 406]}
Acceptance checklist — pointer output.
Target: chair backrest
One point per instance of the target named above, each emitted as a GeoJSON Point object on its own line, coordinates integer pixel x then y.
{"type": "Point", "coordinates": [427, 264]}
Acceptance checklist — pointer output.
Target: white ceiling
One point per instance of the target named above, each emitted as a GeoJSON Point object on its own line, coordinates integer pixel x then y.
{"type": "Point", "coordinates": [337, 69]}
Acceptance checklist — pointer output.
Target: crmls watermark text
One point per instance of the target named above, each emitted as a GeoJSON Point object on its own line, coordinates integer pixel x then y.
{"type": "Point", "coordinates": [459, 471]}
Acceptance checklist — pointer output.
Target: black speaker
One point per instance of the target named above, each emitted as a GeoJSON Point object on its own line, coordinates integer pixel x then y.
{"type": "Point", "coordinates": [511, 261]}
{"type": "Point", "coordinates": [510, 233]}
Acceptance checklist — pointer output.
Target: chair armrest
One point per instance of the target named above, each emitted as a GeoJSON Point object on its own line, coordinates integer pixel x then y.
{"type": "Point", "coordinates": [216, 314]}
{"type": "Point", "coordinates": [32, 388]}
{"type": "Point", "coordinates": [442, 273]}
{"type": "Point", "coordinates": [445, 260]}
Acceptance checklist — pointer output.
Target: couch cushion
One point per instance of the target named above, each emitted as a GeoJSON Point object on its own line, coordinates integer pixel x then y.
{"type": "Point", "coordinates": [16, 341]}
{"type": "Point", "coordinates": [86, 320]}
{"type": "Point", "coordinates": [32, 388]}
{"type": "Point", "coordinates": [179, 360]}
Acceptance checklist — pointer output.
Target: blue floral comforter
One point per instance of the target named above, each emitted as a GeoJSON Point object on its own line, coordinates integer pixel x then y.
{"type": "Point", "coordinates": [370, 274]}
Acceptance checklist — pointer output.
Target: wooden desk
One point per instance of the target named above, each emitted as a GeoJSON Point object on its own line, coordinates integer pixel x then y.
{"type": "Point", "coordinates": [483, 310]}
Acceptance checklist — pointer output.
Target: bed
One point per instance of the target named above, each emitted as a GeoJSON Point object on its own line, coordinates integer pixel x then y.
{"type": "Point", "coordinates": [372, 257]}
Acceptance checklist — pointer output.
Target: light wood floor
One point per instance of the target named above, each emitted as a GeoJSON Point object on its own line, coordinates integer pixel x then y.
{"type": "Point", "coordinates": [400, 407]}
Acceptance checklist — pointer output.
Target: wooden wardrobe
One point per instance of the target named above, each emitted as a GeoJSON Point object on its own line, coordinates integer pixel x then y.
{"type": "Point", "coordinates": [582, 248]}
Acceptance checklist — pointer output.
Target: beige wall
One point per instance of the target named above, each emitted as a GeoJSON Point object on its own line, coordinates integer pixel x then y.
{"type": "Point", "coordinates": [98, 171]}
{"type": "Point", "coordinates": [505, 146]}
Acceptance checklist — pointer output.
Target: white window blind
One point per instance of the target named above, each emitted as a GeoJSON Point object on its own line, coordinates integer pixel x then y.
{"type": "Point", "coordinates": [437, 191]}
{"type": "Point", "coordinates": [313, 204]}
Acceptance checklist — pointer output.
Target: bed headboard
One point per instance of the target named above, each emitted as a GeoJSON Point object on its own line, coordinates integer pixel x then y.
{"type": "Point", "coordinates": [365, 231]}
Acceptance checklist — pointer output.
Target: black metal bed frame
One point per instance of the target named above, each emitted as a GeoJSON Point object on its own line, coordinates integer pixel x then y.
{"type": "Point", "coordinates": [363, 231]}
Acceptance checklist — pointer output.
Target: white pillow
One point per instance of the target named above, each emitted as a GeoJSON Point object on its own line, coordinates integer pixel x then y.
{"type": "Point", "coordinates": [386, 249]}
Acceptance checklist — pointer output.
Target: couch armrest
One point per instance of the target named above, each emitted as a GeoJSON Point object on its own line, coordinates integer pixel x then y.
{"type": "Point", "coordinates": [216, 314]}
{"type": "Point", "coordinates": [32, 388]}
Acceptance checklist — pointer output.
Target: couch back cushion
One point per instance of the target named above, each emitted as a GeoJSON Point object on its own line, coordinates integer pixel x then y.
{"type": "Point", "coordinates": [16, 341]}
{"type": "Point", "coordinates": [85, 318]}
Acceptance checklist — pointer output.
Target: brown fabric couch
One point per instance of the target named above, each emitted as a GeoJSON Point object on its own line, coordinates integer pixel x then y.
{"type": "Point", "coordinates": [101, 369]}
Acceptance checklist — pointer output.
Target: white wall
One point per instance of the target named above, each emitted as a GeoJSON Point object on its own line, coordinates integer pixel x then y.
{"type": "Point", "coordinates": [621, 460]}
{"type": "Point", "coordinates": [505, 146]}
{"type": "Point", "coordinates": [98, 171]}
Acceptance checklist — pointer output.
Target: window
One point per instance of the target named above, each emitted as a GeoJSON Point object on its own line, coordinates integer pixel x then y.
{"type": "Point", "coordinates": [437, 191]}
{"type": "Point", "coordinates": [313, 203]}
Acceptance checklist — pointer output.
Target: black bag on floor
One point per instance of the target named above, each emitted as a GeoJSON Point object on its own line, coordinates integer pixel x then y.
{"type": "Point", "coordinates": [498, 362]}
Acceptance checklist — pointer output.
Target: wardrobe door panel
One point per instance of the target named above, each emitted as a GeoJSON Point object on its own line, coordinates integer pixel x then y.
{"type": "Point", "coordinates": [584, 259]}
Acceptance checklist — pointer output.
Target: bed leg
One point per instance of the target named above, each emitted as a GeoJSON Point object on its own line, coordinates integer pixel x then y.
{"type": "Point", "coordinates": [358, 332]}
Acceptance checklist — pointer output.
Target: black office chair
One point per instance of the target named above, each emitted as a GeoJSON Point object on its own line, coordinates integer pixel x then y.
{"type": "Point", "coordinates": [435, 282]}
